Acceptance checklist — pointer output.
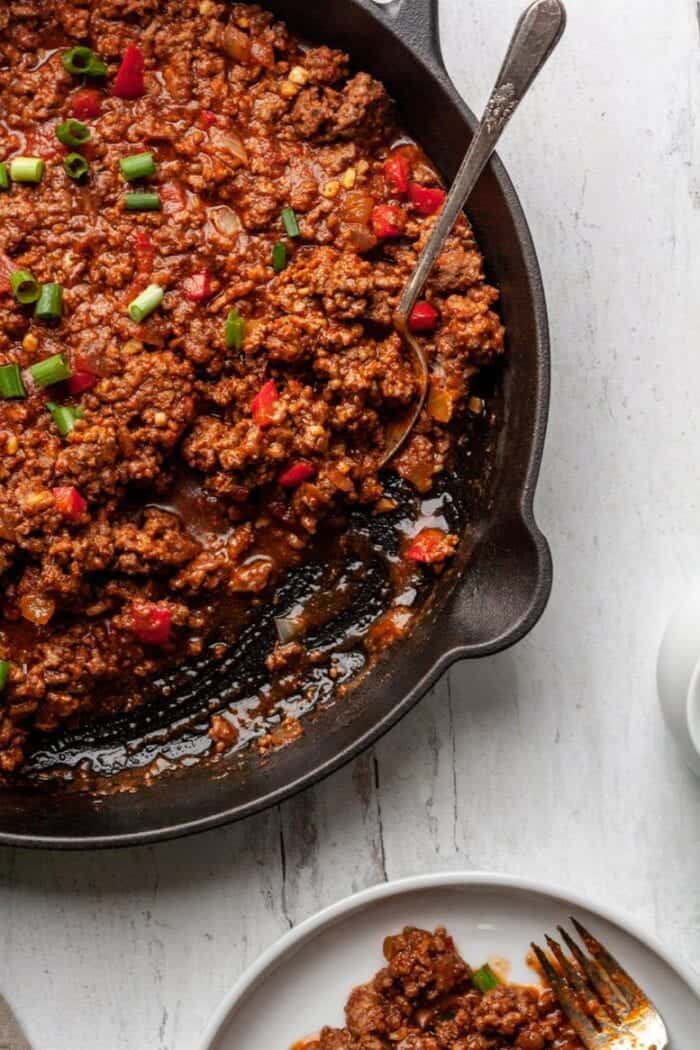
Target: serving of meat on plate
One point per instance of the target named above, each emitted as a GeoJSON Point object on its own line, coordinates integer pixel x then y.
{"type": "Point", "coordinates": [205, 225]}
{"type": "Point", "coordinates": [428, 998]}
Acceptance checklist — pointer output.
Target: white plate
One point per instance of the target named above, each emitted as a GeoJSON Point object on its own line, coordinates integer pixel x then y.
{"type": "Point", "coordinates": [303, 981]}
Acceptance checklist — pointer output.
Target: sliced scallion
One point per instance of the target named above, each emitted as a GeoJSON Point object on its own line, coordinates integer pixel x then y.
{"type": "Point", "coordinates": [279, 257]}
{"type": "Point", "coordinates": [64, 416]}
{"type": "Point", "coordinates": [73, 133]}
{"type": "Point", "coordinates": [289, 220]}
{"type": "Point", "coordinates": [145, 303]}
{"type": "Point", "coordinates": [4, 177]}
{"type": "Point", "coordinates": [484, 979]}
{"type": "Point", "coordinates": [142, 201]}
{"type": "Point", "coordinates": [4, 673]}
{"type": "Point", "coordinates": [75, 166]}
{"type": "Point", "coordinates": [26, 169]}
{"type": "Point", "coordinates": [235, 330]}
{"type": "Point", "coordinates": [82, 61]}
{"type": "Point", "coordinates": [11, 384]}
{"type": "Point", "coordinates": [97, 67]}
{"type": "Point", "coordinates": [51, 370]}
{"type": "Point", "coordinates": [138, 166]}
{"type": "Point", "coordinates": [49, 306]}
{"type": "Point", "coordinates": [25, 286]}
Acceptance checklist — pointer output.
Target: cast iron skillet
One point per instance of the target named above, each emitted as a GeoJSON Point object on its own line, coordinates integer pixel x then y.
{"type": "Point", "coordinates": [493, 596]}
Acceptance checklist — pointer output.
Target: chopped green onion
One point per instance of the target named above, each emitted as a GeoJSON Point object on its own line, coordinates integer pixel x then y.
{"type": "Point", "coordinates": [138, 166]}
{"type": "Point", "coordinates": [11, 384]}
{"type": "Point", "coordinates": [51, 370]}
{"type": "Point", "coordinates": [64, 416]}
{"type": "Point", "coordinates": [75, 166]}
{"type": "Point", "coordinates": [73, 133]}
{"type": "Point", "coordinates": [145, 303]}
{"type": "Point", "coordinates": [289, 219]}
{"type": "Point", "coordinates": [142, 201]}
{"type": "Point", "coordinates": [235, 330]}
{"type": "Point", "coordinates": [26, 169]}
{"type": "Point", "coordinates": [97, 67]}
{"type": "Point", "coordinates": [485, 979]}
{"type": "Point", "coordinates": [82, 61]}
{"type": "Point", "coordinates": [4, 673]}
{"type": "Point", "coordinates": [279, 257]}
{"type": "Point", "coordinates": [25, 286]}
{"type": "Point", "coordinates": [49, 305]}
{"type": "Point", "coordinates": [4, 177]}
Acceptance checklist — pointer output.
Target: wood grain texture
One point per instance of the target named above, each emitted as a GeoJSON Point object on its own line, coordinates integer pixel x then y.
{"type": "Point", "coordinates": [550, 760]}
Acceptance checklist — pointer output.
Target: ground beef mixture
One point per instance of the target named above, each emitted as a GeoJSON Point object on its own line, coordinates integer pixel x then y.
{"type": "Point", "coordinates": [219, 370]}
{"type": "Point", "coordinates": [428, 998]}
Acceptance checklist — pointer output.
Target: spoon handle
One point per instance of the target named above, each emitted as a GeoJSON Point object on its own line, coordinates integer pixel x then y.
{"type": "Point", "coordinates": [535, 37]}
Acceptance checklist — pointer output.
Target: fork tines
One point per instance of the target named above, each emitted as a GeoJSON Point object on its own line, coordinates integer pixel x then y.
{"type": "Point", "coordinates": [605, 1006]}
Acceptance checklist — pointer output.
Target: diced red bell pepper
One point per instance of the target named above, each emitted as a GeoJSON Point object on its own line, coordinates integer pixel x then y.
{"type": "Point", "coordinates": [81, 380]}
{"type": "Point", "coordinates": [425, 199]}
{"type": "Point", "coordinates": [207, 119]}
{"type": "Point", "coordinates": [151, 623]}
{"type": "Point", "coordinates": [144, 251]}
{"type": "Point", "coordinates": [397, 173]}
{"type": "Point", "coordinates": [69, 502]}
{"type": "Point", "coordinates": [388, 220]}
{"type": "Point", "coordinates": [297, 474]}
{"type": "Point", "coordinates": [263, 404]}
{"type": "Point", "coordinates": [86, 104]}
{"type": "Point", "coordinates": [424, 318]}
{"type": "Point", "coordinates": [431, 546]}
{"type": "Point", "coordinates": [129, 81]}
{"type": "Point", "coordinates": [197, 287]}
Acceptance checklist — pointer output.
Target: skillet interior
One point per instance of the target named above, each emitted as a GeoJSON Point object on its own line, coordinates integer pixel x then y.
{"type": "Point", "coordinates": [494, 602]}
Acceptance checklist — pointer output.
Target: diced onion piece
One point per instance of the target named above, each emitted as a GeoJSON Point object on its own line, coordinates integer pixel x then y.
{"type": "Point", "coordinates": [357, 207]}
{"type": "Point", "coordinates": [288, 628]}
{"type": "Point", "coordinates": [225, 221]}
{"type": "Point", "coordinates": [236, 44]}
{"type": "Point", "coordinates": [441, 403]}
{"type": "Point", "coordinates": [229, 143]}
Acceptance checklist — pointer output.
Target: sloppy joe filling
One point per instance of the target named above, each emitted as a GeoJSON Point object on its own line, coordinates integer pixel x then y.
{"type": "Point", "coordinates": [205, 226]}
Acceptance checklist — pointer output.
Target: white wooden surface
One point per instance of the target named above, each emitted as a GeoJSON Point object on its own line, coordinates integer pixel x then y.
{"type": "Point", "coordinates": [559, 766]}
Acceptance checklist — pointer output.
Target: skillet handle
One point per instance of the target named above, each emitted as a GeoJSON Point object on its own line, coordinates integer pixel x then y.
{"type": "Point", "coordinates": [416, 22]}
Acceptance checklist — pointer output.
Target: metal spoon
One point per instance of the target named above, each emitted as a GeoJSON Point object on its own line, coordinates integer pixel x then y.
{"type": "Point", "coordinates": [536, 35]}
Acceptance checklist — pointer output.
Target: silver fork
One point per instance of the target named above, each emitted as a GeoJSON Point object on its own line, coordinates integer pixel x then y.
{"type": "Point", "coordinates": [607, 1009]}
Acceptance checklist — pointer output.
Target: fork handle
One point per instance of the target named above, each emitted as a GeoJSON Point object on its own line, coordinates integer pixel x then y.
{"type": "Point", "coordinates": [535, 37]}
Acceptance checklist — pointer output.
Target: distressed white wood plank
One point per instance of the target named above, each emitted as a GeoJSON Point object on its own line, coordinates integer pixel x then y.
{"type": "Point", "coordinates": [549, 760]}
